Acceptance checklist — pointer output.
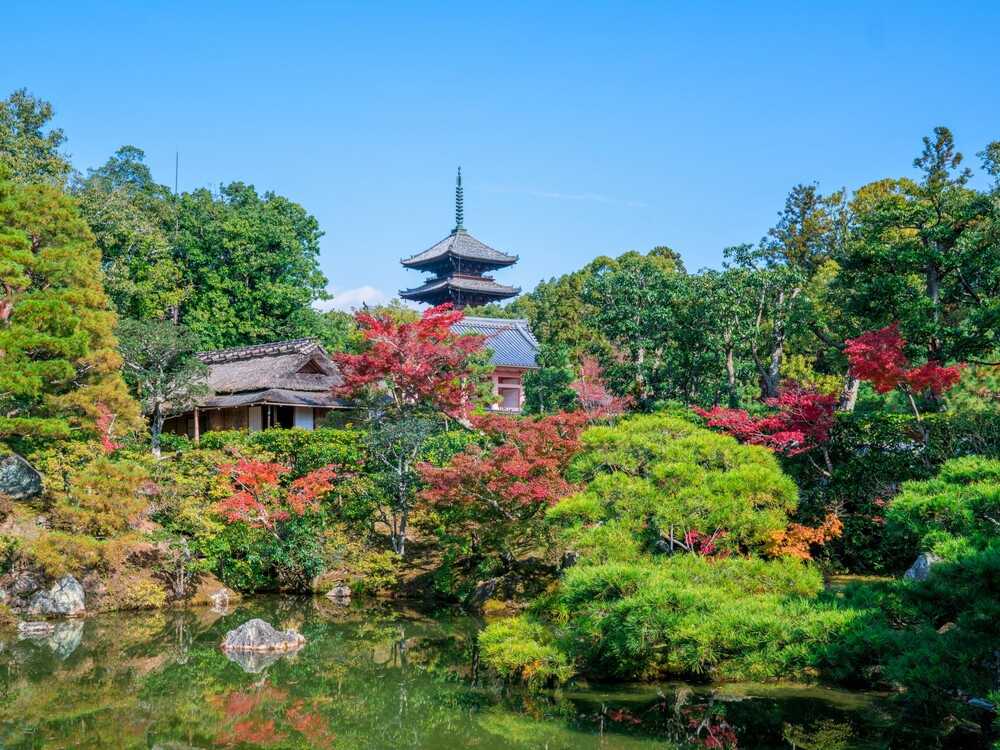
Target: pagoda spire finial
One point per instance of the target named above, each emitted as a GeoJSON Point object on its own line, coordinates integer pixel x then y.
{"type": "Point", "coordinates": [459, 213]}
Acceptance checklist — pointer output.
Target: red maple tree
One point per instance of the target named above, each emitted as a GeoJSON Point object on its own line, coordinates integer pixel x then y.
{"type": "Point", "coordinates": [879, 357]}
{"type": "Point", "coordinates": [416, 364]}
{"type": "Point", "coordinates": [494, 492]}
{"type": "Point", "coordinates": [802, 422]}
{"type": "Point", "coordinates": [524, 469]}
{"type": "Point", "coordinates": [592, 392]}
{"type": "Point", "coordinates": [260, 499]}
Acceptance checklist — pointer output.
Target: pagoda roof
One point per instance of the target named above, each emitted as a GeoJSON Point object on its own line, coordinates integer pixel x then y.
{"type": "Point", "coordinates": [477, 284]}
{"type": "Point", "coordinates": [460, 244]}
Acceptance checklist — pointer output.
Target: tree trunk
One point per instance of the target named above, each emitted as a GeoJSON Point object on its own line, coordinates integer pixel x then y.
{"type": "Point", "coordinates": [734, 400]}
{"type": "Point", "coordinates": [156, 428]}
{"type": "Point", "coordinates": [849, 396]}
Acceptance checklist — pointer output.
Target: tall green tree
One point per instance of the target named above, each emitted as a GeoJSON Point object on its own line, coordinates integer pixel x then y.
{"type": "Point", "coordinates": [251, 264]}
{"type": "Point", "coordinates": [29, 146]}
{"type": "Point", "coordinates": [133, 220]}
{"type": "Point", "coordinates": [630, 303]}
{"type": "Point", "coordinates": [59, 368]}
{"type": "Point", "coordinates": [809, 231]}
{"type": "Point", "coordinates": [547, 389]}
{"type": "Point", "coordinates": [160, 363]}
{"type": "Point", "coordinates": [560, 314]}
{"type": "Point", "coordinates": [926, 253]}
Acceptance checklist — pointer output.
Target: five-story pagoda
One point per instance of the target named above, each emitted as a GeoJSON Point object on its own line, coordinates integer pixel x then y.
{"type": "Point", "coordinates": [459, 264]}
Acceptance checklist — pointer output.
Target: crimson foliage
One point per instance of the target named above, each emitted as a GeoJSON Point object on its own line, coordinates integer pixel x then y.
{"type": "Point", "coordinates": [878, 357]}
{"type": "Point", "coordinates": [416, 364]}
{"type": "Point", "coordinates": [802, 422]}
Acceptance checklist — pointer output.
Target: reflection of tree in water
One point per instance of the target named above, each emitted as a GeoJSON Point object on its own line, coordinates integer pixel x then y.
{"type": "Point", "coordinates": [366, 678]}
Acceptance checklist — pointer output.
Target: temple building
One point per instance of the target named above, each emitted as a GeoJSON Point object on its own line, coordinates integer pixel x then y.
{"type": "Point", "coordinates": [290, 383]}
{"type": "Point", "coordinates": [458, 265]}
{"type": "Point", "coordinates": [253, 388]}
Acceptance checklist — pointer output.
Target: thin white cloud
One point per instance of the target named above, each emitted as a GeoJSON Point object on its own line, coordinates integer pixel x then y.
{"type": "Point", "coordinates": [352, 299]}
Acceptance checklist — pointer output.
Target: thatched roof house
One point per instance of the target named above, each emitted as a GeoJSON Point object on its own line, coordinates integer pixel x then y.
{"type": "Point", "coordinates": [281, 384]}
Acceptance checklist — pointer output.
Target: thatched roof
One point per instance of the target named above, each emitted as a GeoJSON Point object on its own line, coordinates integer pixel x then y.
{"type": "Point", "coordinates": [295, 373]}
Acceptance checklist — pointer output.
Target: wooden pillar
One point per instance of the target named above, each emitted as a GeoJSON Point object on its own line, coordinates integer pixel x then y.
{"type": "Point", "coordinates": [197, 427]}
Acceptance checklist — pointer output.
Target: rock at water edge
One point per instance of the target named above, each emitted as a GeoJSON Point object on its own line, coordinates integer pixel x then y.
{"type": "Point", "coordinates": [64, 599]}
{"type": "Point", "coordinates": [257, 635]}
{"type": "Point", "coordinates": [220, 600]}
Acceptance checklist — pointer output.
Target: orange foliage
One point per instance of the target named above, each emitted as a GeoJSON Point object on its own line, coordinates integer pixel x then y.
{"type": "Point", "coordinates": [797, 540]}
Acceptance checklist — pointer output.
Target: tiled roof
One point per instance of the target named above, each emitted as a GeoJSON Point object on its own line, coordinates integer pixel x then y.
{"type": "Point", "coordinates": [511, 342]}
{"type": "Point", "coordinates": [462, 245]}
{"type": "Point", "coordinates": [463, 284]}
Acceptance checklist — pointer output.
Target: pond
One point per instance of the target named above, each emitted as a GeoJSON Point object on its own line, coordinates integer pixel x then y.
{"type": "Point", "coordinates": [371, 677]}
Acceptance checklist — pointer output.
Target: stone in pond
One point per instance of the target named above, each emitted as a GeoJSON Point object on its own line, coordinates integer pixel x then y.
{"type": "Point", "coordinates": [220, 601]}
{"type": "Point", "coordinates": [65, 599]}
{"type": "Point", "coordinates": [18, 479]}
{"type": "Point", "coordinates": [257, 635]}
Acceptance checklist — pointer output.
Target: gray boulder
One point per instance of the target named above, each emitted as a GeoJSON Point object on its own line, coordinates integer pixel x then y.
{"type": "Point", "coordinates": [64, 599]}
{"type": "Point", "coordinates": [921, 567]}
{"type": "Point", "coordinates": [257, 635]}
{"type": "Point", "coordinates": [19, 480]}
{"type": "Point", "coordinates": [25, 583]}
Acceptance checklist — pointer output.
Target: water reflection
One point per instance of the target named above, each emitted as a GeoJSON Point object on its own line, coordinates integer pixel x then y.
{"type": "Point", "coordinates": [369, 678]}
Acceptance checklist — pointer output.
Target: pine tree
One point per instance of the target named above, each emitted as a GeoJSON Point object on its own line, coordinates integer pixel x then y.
{"type": "Point", "coordinates": [59, 369]}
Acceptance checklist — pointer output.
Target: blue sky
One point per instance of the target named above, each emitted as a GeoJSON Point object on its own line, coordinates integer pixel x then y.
{"type": "Point", "coordinates": [582, 128]}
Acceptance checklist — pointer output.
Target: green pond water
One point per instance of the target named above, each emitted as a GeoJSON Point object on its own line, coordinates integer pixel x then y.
{"type": "Point", "coordinates": [371, 677]}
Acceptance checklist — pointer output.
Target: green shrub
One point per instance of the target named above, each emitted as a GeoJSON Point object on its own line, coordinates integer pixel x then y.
{"type": "Point", "coordinates": [872, 456]}
{"type": "Point", "coordinates": [522, 651]}
{"type": "Point", "coordinates": [650, 477]}
{"type": "Point", "coordinates": [628, 611]}
{"type": "Point", "coordinates": [737, 618]}
{"type": "Point", "coordinates": [376, 572]}
{"type": "Point", "coordinates": [956, 512]}
{"type": "Point", "coordinates": [933, 639]}
{"type": "Point", "coordinates": [136, 590]}
{"type": "Point", "coordinates": [58, 553]}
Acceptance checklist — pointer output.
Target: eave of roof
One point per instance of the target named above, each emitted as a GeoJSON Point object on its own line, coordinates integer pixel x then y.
{"type": "Point", "coordinates": [463, 284]}
{"type": "Point", "coordinates": [292, 346]}
{"type": "Point", "coordinates": [273, 396]}
{"type": "Point", "coordinates": [460, 244]}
